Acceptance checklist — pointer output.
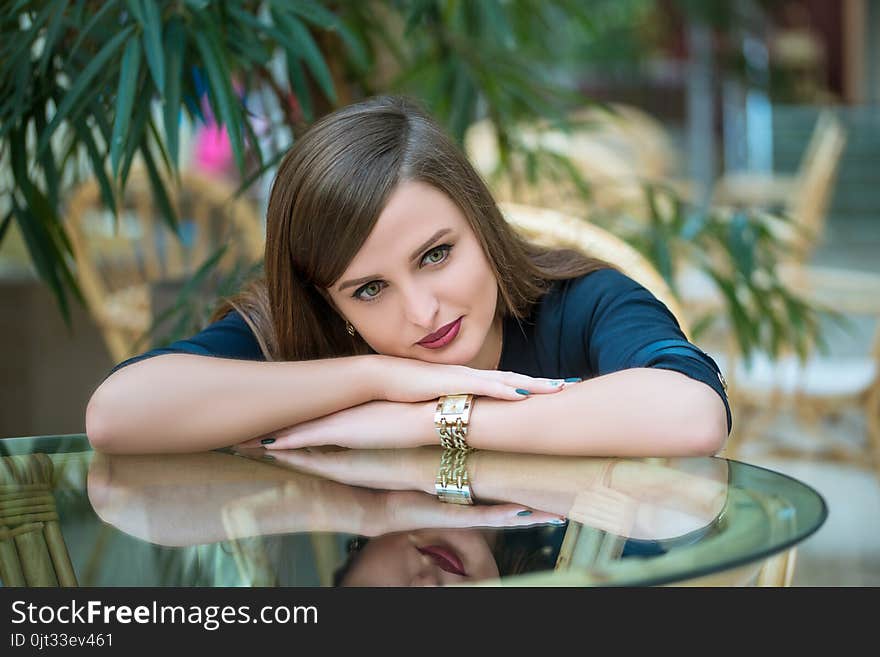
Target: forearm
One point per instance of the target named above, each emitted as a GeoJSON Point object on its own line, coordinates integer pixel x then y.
{"type": "Point", "coordinates": [185, 403]}
{"type": "Point", "coordinates": [636, 412]}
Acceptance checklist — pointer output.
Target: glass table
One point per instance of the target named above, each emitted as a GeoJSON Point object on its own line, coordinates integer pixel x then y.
{"type": "Point", "coordinates": [321, 517]}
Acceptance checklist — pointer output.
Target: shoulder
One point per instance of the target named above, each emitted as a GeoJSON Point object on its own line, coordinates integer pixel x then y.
{"type": "Point", "coordinates": [572, 305]}
{"type": "Point", "coordinates": [606, 300]}
{"type": "Point", "coordinates": [598, 284]}
{"type": "Point", "coordinates": [228, 337]}
{"type": "Point", "coordinates": [594, 292]}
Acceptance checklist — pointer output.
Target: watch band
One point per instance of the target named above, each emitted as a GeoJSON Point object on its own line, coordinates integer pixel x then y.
{"type": "Point", "coordinates": [451, 420]}
{"type": "Point", "coordinates": [453, 482]}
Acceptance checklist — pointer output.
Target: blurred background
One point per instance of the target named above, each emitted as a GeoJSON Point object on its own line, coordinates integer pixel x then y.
{"type": "Point", "coordinates": [730, 144]}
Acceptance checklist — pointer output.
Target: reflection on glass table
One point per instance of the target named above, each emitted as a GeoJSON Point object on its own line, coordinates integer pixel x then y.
{"type": "Point", "coordinates": [73, 517]}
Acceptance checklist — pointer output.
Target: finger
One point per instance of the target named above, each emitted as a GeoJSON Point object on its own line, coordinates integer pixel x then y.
{"type": "Point", "coordinates": [499, 515]}
{"type": "Point", "coordinates": [296, 457]}
{"type": "Point", "coordinates": [255, 443]}
{"type": "Point", "coordinates": [294, 440]}
{"type": "Point", "coordinates": [537, 385]}
{"type": "Point", "coordinates": [516, 392]}
{"type": "Point", "coordinates": [515, 515]}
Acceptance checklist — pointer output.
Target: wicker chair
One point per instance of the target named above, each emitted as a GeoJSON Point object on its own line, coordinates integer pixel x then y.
{"type": "Point", "coordinates": [32, 549]}
{"type": "Point", "coordinates": [803, 197]}
{"type": "Point", "coordinates": [823, 387]}
{"type": "Point", "coordinates": [551, 228]}
{"type": "Point", "coordinates": [123, 269]}
{"type": "Point", "coordinates": [615, 152]}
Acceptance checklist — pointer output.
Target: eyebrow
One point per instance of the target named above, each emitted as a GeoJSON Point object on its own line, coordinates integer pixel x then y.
{"type": "Point", "coordinates": [415, 254]}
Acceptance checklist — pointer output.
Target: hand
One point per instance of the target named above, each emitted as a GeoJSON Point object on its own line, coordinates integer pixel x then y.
{"type": "Point", "coordinates": [411, 380]}
{"type": "Point", "coordinates": [374, 425]}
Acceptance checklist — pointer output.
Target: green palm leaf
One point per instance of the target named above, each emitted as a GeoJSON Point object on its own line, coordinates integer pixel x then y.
{"type": "Point", "coordinates": [152, 25]}
{"type": "Point", "coordinates": [128, 82]}
{"type": "Point", "coordinates": [77, 91]}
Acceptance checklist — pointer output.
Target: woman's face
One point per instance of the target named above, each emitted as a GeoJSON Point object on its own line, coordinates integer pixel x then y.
{"type": "Point", "coordinates": [421, 269]}
{"type": "Point", "coordinates": [426, 557]}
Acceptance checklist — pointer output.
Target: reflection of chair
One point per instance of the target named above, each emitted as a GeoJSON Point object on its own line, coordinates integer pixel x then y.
{"type": "Point", "coordinates": [803, 197]}
{"type": "Point", "coordinates": [32, 548]}
{"type": "Point", "coordinates": [121, 269]}
{"type": "Point", "coordinates": [824, 386]}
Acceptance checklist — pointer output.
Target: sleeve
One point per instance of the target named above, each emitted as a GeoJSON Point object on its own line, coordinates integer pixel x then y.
{"type": "Point", "coordinates": [228, 337]}
{"type": "Point", "coordinates": [627, 327]}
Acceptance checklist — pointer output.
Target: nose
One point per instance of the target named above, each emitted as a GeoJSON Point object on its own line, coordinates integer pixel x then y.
{"type": "Point", "coordinates": [420, 307]}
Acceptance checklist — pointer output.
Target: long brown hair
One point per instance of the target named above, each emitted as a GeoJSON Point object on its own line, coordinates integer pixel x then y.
{"type": "Point", "coordinates": [328, 194]}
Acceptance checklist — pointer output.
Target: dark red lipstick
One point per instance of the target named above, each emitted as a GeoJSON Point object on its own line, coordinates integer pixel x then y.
{"type": "Point", "coordinates": [444, 558]}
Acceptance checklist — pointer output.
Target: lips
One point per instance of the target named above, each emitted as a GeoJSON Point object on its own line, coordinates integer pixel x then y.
{"type": "Point", "coordinates": [443, 330]}
{"type": "Point", "coordinates": [444, 558]}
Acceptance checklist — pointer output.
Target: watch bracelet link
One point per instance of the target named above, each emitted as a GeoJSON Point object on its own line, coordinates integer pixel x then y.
{"type": "Point", "coordinates": [453, 482]}
{"type": "Point", "coordinates": [453, 436]}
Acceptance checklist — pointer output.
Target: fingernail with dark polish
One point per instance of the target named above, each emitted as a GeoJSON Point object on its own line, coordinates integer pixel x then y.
{"type": "Point", "coordinates": [573, 379]}
{"type": "Point", "coordinates": [524, 512]}
{"type": "Point", "coordinates": [523, 392]}
{"type": "Point", "coordinates": [267, 441]}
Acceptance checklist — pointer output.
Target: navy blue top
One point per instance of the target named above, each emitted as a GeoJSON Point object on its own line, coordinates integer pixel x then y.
{"type": "Point", "coordinates": [587, 326]}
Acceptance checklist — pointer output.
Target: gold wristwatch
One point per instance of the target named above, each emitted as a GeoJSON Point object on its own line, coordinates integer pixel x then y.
{"type": "Point", "coordinates": [453, 482]}
{"type": "Point", "coordinates": [451, 420]}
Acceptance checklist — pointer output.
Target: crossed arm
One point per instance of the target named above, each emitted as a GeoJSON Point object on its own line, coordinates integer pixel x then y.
{"type": "Point", "coordinates": [635, 412]}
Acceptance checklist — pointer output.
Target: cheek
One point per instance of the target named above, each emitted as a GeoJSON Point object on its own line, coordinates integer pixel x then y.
{"type": "Point", "coordinates": [474, 274]}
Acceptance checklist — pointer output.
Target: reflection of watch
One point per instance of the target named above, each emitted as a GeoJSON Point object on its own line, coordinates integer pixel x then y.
{"type": "Point", "coordinates": [451, 420]}
{"type": "Point", "coordinates": [453, 483]}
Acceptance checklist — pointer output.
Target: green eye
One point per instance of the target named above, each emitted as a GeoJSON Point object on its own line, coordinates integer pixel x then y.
{"type": "Point", "coordinates": [436, 251]}
{"type": "Point", "coordinates": [368, 292]}
{"type": "Point", "coordinates": [364, 293]}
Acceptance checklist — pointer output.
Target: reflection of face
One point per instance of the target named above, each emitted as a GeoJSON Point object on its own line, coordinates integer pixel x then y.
{"type": "Point", "coordinates": [413, 559]}
{"type": "Point", "coordinates": [408, 287]}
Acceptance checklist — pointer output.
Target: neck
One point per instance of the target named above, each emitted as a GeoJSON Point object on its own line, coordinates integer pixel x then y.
{"type": "Point", "coordinates": [489, 357]}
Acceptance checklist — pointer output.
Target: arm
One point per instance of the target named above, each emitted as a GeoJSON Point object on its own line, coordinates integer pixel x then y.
{"type": "Point", "coordinates": [636, 412]}
{"type": "Point", "coordinates": [212, 391]}
{"type": "Point", "coordinates": [649, 392]}
{"type": "Point", "coordinates": [186, 402]}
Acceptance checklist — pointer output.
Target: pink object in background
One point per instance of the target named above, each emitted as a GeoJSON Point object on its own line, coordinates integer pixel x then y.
{"type": "Point", "coordinates": [212, 150]}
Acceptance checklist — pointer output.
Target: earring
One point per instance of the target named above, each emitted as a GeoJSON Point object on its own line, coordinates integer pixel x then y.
{"type": "Point", "coordinates": [349, 328]}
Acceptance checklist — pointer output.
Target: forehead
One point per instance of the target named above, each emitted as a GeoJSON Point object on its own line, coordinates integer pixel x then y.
{"type": "Point", "coordinates": [413, 206]}
{"type": "Point", "coordinates": [414, 212]}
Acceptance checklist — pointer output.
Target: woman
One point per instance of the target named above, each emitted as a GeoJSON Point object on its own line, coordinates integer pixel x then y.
{"type": "Point", "coordinates": [392, 280]}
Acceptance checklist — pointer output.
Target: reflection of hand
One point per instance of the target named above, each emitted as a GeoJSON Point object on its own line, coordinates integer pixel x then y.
{"type": "Point", "coordinates": [376, 424]}
{"type": "Point", "coordinates": [410, 470]}
{"type": "Point", "coordinates": [405, 510]}
{"type": "Point", "coordinates": [391, 469]}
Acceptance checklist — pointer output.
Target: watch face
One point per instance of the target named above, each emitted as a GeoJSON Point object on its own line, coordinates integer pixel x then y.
{"type": "Point", "coordinates": [454, 405]}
